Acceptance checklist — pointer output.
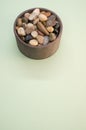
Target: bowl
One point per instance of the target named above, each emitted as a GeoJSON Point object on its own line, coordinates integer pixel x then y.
{"type": "Point", "coordinates": [38, 52]}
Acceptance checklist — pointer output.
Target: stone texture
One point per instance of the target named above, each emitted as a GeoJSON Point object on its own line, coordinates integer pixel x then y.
{"type": "Point", "coordinates": [21, 31]}
{"type": "Point", "coordinates": [33, 42]}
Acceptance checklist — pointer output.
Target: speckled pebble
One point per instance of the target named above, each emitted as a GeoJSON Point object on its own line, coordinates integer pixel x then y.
{"type": "Point", "coordinates": [50, 29]}
{"type": "Point", "coordinates": [21, 31]}
{"type": "Point", "coordinates": [40, 39]}
{"type": "Point", "coordinates": [33, 42]}
{"type": "Point", "coordinates": [34, 34]}
{"type": "Point", "coordinates": [46, 40]}
{"type": "Point", "coordinates": [42, 17]}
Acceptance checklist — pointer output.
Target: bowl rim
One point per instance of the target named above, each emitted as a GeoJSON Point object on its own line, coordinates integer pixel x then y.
{"type": "Point", "coordinates": [29, 10]}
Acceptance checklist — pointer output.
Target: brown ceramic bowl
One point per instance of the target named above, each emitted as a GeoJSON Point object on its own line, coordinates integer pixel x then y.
{"type": "Point", "coordinates": [38, 52]}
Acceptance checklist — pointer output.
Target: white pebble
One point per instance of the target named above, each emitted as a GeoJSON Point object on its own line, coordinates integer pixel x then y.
{"type": "Point", "coordinates": [21, 31]}
{"type": "Point", "coordinates": [34, 34]}
{"type": "Point", "coordinates": [33, 42]}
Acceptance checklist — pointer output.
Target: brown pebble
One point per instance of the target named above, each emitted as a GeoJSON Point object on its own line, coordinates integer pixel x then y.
{"type": "Point", "coordinates": [24, 20]}
{"type": "Point", "coordinates": [46, 13]}
{"type": "Point", "coordinates": [29, 28]}
{"type": "Point", "coordinates": [36, 21]}
{"type": "Point", "coordinates": [40, 39]}
{"type": "Point", "coordinates": [42, 28]}
{"type": "Point", "coordinates": [26, 15]}
{"type": "Point", "coordinates": [34, 34]}
{"type": "Point", "coordinates": [19, 22]}
{"type": "Point", "coordinates": [42, 17]}
{"type": "Point", "coordinates": [40, 33]}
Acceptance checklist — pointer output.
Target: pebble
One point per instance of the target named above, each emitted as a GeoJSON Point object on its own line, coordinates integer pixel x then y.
{"type": "Point", "coordinates": [51, 21]}
{"type": "Point", "coordinates": [33, 42]}
{"type": "Point", "coordinates": [26, 15]}
{"type": "Point", "coordinates": [40, 39]}
{"type": "Point", "coordinates": [21, 31]}
{"type": "Point", "coordinates": [52, 36]}
{"type": "Point", "coordinates": [42, 17]}
{"type": "Point", "coordinates": [29, 28]}
{"type": "Point", "coordinates": [34, 34]}
{"type": "Point", "coordinates": [36, 21]}
{"type": "Point", "coordinates": [28, 38]}
{"type": "Point", "coordinates": [19, 22]}
{"type": "Point", "coordinates": [42, 28]}
{"type": "Point", "coordinates": [50, 29]}
{"type": "Point", "coordinates": [46, 13]}
{"type": "Point", "coordinates": [34, 14]}
{"type": "Point", "coordinates": [40, 33]}
{"type": "Point", "coordinates": [24, 20]}
{"type": "Point", "coordinates": [46, 40]}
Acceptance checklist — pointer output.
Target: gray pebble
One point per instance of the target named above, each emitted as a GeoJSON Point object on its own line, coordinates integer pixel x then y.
{"type": "Point", "coordinates": [46, 40]}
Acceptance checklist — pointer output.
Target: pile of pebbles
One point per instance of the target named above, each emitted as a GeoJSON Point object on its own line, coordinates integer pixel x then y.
{"type": "Point", "coordinates": [38, 27]}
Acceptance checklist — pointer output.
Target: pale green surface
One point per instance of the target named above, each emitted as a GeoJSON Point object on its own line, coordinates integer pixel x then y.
{"type": "Point", "coordinates": [48, 94]}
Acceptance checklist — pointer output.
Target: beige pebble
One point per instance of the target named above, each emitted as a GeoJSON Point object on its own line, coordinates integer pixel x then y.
{"type": "Point", "coordinates": [33, 42]}
{"type": "Point", "coordinates": [26, 15]}
{"type": "Point", "coordinates": [29, 28]}
{"type": "Point", "coordinates": [36, 21]}
{"type": "Point", "coordinates": [21, 31]}
{"type": "Point", "coordinates": [42, 17]}
{"type": "Point", "coordinates": [34, 34]}
{"type": "Point", "coordinates": [34, 14]}
{"type": "Point", "coordinates": [52, 36]}
{"type": "Point", "coordinates": [50, 29]}
{"type": "Point", "coordinates": [40, 39]}
{"type": "Point", "coordinates": [46, 13]}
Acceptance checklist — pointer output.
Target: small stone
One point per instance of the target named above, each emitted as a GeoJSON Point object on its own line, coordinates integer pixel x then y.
{"type": "Point", "coordinates": [40, 33]}
{"type": "Point", "coordinates": [50, 29]}
{"type": "Point", "coordinates": [42, 28]}
{"type": "Point", "coordinates": [29, 28]}
{"type": "Point", "coordinates": [26, 15]}
{"type": "Point", "coordinates": [52, 36]}
{"type": "Point", "coordinates": [28, 38]}
{"type": "Point", "coordinates": [40, 39]}
{"type": "Point", "coordinates": [34, 34]}
{"type": "Point", "coordinates": [56, 31]}
{"type": "Point", "coordinates": [21, 31]}
{"type": "Point", "coordinates": [33, 42]}
{"type": "Point", "coordinates": [36, 21]}
{"type": "Point", "coordinates": [24, 20]}
{"type": "Point", "coordinates": [52, 17]}
{"type": "Point", "coordinates": [51, 21]}
{"type": "Point", "coordinates": [42, 17]}
{"type": "Point", "coordinates": [34, 14]}
{"type": "Point", "coordinates": [57, 25]}
{"type": "Point", "coordinates": [19, 22]}
{"type": "Point", "coordinates": [46, 13]}
{"type": "Point", "coordinates": [46, 40]}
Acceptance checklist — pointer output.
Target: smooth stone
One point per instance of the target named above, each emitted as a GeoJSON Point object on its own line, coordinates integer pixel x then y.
{"type": "Point", "coordinates": [46, 13]}
{"type": "Point", "coordinates": [21, 31]}
{"type": "Point", "coordinates": [19, 22]}
{"type": "Point", "coordinates": [40, 33]}
{"type": "Point", "coordinates": [50, 29]}
{"type": "Point", "coordinates": [57, 25]}
{"type": "Point", "coordinates": [29, 28]}
{"type": "Point", "coordinates": [33, 42]}
{"type": "Point", "coordinates": [34, 34]}
{"type": "Point", "coordinates": [52, 17]}
{"type": "Point", "coordinates": [26, 15]}
{"type": "Point", "coordinates": [42, 28]}
{"type": "Point", "coordinates": [34, 14]}
{"type": "Point", "coordinates": [42, 17]}
{"type": "Point", "coordinates": [40, 39]}
{"type": "Point", "coordinates": [46, 40]}
{"type": "Point", "coordinates": [36, 21]}
{"type": "Point", "coordinates": [28, 38]}
{"type": "Point", "coordinates": [52, 36]}
{"type": "Point", "coordinates": [24, 20]}
{"type": "Point", "coordinates": [51, 23]}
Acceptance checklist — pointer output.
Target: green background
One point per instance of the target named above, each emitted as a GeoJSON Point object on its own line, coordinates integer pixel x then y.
{"type": "Point", "coordinates": [47, 94]}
